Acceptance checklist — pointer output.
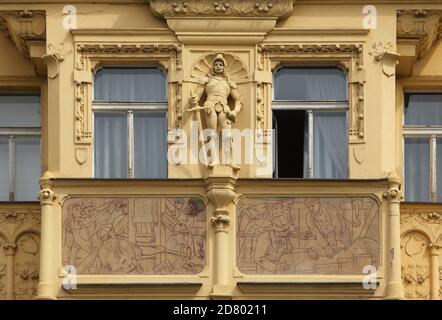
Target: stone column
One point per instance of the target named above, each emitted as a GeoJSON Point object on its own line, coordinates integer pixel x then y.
{"type": "Point", "coordinates": [395, 288]}
{"type": "Point", "coordinates": [10, 269]}
{"type": "Point", "coordinates": [47, 197]}
{"type": "Point", "coordinates": [434, 266]}
{"type": "Point", "coordinates": [220, 186]}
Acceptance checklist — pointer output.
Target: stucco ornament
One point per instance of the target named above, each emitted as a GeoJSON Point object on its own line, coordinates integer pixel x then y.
{"type": "Point", "coordinates": [219, 115]}
{"type": "Point", "coordinates": [248, 8]}
{"type": "Point", "coordinates": [384, 54]}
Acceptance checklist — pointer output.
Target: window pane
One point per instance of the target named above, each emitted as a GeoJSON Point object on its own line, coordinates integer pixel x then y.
{"type": "Point", "coordinates": [417, 169]}
{"type": "Point", "coordinates": [28, 168]}
{"type": "Point", "coordinates": [439, 170]}
{"type": "Point", "coordinates": [310, 84]}
{"type": "Point", "coordinates": [423, 109]}
{"type": "Point", "coordinates": [4, 168]}
{"type": "Point", "coordinates": [130, 84]}
{"type": "Point", "coordinates": [150, 145]}
{"type": "Point", "coordinates": [110, 145]}
{"type": "Point", "coordinates": [329, 145]}
{"type": "Point", "coordinates": [19, 111]}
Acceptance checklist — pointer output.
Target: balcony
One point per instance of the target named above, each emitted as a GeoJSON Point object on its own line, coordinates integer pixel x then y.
{"type": "Point", "coordinates": [218, 237]}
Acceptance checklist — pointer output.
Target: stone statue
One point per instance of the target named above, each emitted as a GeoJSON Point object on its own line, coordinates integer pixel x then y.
{"type": "Point", "coordinates": [218, 114]}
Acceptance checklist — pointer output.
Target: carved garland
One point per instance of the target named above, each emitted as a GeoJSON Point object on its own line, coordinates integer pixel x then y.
{"type": "Point", "coordinates": [83, 78]}
{"type": "Point", "coordinates": [351, 52]}
{"type": "Point", "coordinates": [243, 8]}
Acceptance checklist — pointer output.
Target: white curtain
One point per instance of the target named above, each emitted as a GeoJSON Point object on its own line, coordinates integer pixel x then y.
{"type": "Point", "coordinates": [130, 85]}
{"type": "Point", "coordinates": [110, 145]}
{"type": "Point", "coordinates": [27, 168]}
{"type": "Point", "coordinates": [417, 170]}
{"type": "Point", "coordinates": [329, 145]}
{"type": "Point", "coordinates": [4, 168]}
{"type": "Point", "coordinates": [150, 144]}
{"type": "Point", "coordinates": [310, 84]}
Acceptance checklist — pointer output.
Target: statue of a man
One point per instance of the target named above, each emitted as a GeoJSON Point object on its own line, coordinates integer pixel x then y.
{"type": "Point", "coordinates": [218, 88]}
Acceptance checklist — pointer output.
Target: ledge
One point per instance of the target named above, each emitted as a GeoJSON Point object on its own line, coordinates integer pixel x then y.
{"type": "Point", "coordinates": [109, 288]}
{"type": "Point", "coordinates": [308, 289]}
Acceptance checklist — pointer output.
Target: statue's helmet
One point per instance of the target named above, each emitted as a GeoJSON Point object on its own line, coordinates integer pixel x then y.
{"type": "Point", "coordinates": [220, 57]}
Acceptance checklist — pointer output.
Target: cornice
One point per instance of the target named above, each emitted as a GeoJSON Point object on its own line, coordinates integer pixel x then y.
{"type": "Point", "coordinates": [21, 28]}
{"type": "Point", "coordinates": [422, 27]}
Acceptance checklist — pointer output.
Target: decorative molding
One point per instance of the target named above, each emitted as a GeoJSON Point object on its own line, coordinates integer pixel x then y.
{"type": "Point", "coordinates": [260, 106]}
{"type": "Point", "coordinates": [422, 26]}
{"type": "Point", "coordinates": [20, 28]}
{"type": "Point", "coordinates": [235, 68]}
{"type": "Point", "coordinates": [349, 56]}
{"type": "Point", "coordinates": [19, 248]}
{"type": "Point", "coordinates": [230, 8]}
{"type": "Point", "coordinates": [81, 155]}
{"type": "Point", "coordinates": [384, 53]}
{"type": "Point", "coordinates": [55, 56]}
{"type": "Point", "coordinates": [87, 55]}
{"type": "Point", "coordinates": [426, 220]}
{"type": "Point", "coordinates": [178, 104]}
{"type": "Point", "coordinates": [415, 278]}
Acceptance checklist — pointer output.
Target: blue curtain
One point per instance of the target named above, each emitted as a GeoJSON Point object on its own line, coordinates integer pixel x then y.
{"type": "Point", "coordinates": [439, 169]}
{"type": "Point", "coordinates": [4, 168]}
{"type": "Point", "coordinates": [150, 130]}
{"type": "Point", "coordinates": [329, 145]}
{"type": "Point", "coordinates": [423, 109]}
{"type": "Point", "coordinates": [27, 168]}
{"type": "Point", "coordinates": [310, 84]}
{"type": "Point", "coordinates": [20, 111]}
{"type": "Point", "coordinates": [417, 170]}
{"type": "Point", "coordinates": [130, 85]}
{"type": "Point", "coordinates": [110, 145]}
{"type": "Point", "coordinates": [329, 128]}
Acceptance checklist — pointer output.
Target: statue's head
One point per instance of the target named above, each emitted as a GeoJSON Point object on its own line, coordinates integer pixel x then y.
{"type": "Point", "coordinates": [219, 64]}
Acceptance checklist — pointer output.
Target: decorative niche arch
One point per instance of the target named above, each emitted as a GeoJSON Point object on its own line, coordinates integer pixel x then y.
{"type": "Point", "coordinates": [235, 67]}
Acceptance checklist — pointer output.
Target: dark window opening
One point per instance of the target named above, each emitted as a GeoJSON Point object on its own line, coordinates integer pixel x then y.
{"type": "Point", "coordinates": [289, 128]}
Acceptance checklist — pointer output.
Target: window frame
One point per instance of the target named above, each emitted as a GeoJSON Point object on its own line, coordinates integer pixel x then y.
{"type": "Point", "coordinates": [12, 133]}
{"type": "Point", "coordinates": [101, 106]}
{"type": "Point", "coordinates": [430, 133]}
{"type": "Point", "coordinates": [309, 107]}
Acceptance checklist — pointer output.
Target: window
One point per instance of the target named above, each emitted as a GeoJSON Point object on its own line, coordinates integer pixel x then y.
{"type": "Point", "coordinates": [20, 167]}
{"type": "Point", "coordinates": [130, 125]}
{"type": "Point", "coordinates": [310, 119]}
{"type": "Point", "coordinates": [423, 147]}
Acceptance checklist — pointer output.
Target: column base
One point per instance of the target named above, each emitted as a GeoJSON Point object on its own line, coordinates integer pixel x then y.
{"type": "Point", "coordinates": [395, 291]}
{"type": "Point", "coordinates": [221, 292]}
{"type": "Point", "coordinates": [44, 290]}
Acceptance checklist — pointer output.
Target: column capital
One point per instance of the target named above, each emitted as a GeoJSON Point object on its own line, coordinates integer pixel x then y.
{"type": "Point", "coordinates": [220, 222]}
{"type": "Point", "coordinates": [47, 196]}
{"type": "Point", "coordinates": [393, 193]}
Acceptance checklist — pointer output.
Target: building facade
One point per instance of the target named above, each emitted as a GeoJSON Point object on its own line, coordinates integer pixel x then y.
{"type": "Point", "coordinates": [204, 149]}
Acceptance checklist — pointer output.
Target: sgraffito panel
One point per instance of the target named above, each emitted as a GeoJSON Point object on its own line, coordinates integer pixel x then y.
{"type": "Point", "coordinates": [135, 235]}
{"type": "Point", "coordinates": [307, 235]}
